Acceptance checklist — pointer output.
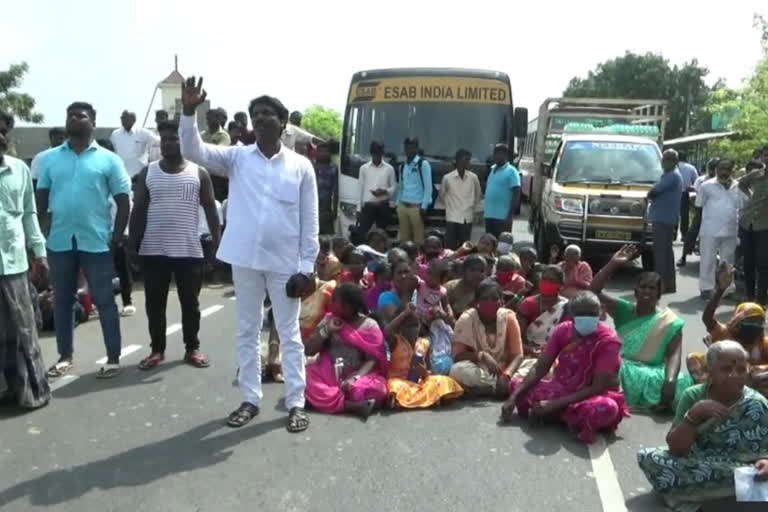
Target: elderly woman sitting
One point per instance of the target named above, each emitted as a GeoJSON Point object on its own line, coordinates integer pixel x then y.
{"type": "Point", "coordinates": [578, 273]}
{"type": "Point", "coordinates": [584, 391]}
{"type": "Point", "coordinates": [719, 426]}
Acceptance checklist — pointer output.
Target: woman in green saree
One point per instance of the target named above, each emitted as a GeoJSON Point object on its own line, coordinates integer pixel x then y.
{"type": "Point", "coordinates": [651, 338]}
{"type": "Point", "coordinates": [719, 426]}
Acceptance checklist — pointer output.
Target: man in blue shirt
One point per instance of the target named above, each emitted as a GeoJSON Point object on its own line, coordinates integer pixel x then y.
{"type": "Point", "coordinates": [689, 174]}
{"type": "Point", "coordinates": [664, 213]}
{"type": "Point", "coordinates": [502, 193]}
{"type": "Point", "coordinates": [76, 182]}
{"type": "Point", "coordinates": [414, 195]}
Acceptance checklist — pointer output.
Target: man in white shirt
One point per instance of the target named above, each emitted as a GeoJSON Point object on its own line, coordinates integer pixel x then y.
{"type": "Point", "coordinates": [719, 200]}
{"type": "Point", "coordinates": [271, 241]}
{"type": "Point", "coordinates": [461, 193]}
{"type": "Point", "coordinates": [132, 144]}
{"type": "Point", "coordinates": [154, 147]}
{"type": "Point", "coordinates": [693, 230]}
{"type": "Point", "coordinates": [377, 187]}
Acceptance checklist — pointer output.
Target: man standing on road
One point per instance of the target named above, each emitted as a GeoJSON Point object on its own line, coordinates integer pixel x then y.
{"type": "Point", "coordinates": [718, 199]}
{"type": "Point", "coordinates": [689, 174]}
{"type": "Point", "coordinates": [216, 133]}
{"type": "Point", "coordinates": [22, 372]}
{"type": "Point", "coordinates": [753, 232]}
{"type": "Point", "coordinates": [502, 193]}
{"type": "Point", "coordinates": [271, 241]}
{"type": "Point", "coordinates": [290, 132]}
{"type": "Point", "coordinates": [693, 230]}
{"type": "Point", "coordinates": [327, 176]}
{"type": "Point", "coordinates": [242, 119]}
{"type": "Point", "coordinates": [164, 230]}
{"type": "Point", "coordinates": [414, 196]}
{"type": "Point", "coordinates": [132, 144]}
{"type": "Point", "coordinates": [154, 148]}
{"type": "Point", "coordinates": [76, 182]}
{"type": "Point", "coordinates": [461, 193]}
{"type": "Point", "coordinates": [664, 214]}
{"type": "Point", "coordinates": [56, 137]}
{"type": "Point", "coordinates": [377, 187]}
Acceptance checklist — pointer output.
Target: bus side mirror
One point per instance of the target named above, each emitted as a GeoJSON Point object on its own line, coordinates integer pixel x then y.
{"type": "Point", "coordinates": [521, 122]}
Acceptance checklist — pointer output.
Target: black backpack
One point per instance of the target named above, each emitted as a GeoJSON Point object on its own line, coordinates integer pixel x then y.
{"type": "Point", "coordinates": [400, 171]}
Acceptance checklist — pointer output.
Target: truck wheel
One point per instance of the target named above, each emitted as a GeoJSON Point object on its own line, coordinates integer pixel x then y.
{"type": "Point", "coordinates": [647, 260]}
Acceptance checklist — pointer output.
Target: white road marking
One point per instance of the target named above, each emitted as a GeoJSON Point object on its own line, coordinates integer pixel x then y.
{"type": "Point", "coordinates": [130, 349]}
{"type": "Point", "coordinates": [63, 381]}
{"type": "Point", "coordinates": [605, 476]}
{"type": "Point", "coordinates": [172, 329]}
{"type": "Point", "coordinates": [235, 298]}
{"type": "Point", "coordinates": [211, 310]}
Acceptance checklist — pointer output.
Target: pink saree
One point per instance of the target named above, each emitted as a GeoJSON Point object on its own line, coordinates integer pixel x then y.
{"type": "Point", "coordinates": [323, 390]}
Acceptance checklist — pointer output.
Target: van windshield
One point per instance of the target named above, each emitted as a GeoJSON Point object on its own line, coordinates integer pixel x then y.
{"type": "Point", "coordinates": [609, 162]}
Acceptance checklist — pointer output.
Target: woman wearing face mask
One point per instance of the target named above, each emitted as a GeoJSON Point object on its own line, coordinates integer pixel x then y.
{"type": "Point", "coordinates": [651, 338]}
{"type": "Point", "coordinates": [508, 275]}
{"type": "Point", "coordinates": [719, 426]}
{"type": "Point", "coordinates": [539, 314]}
{"type": "Point", "coordinates": [747, 326]}
{"type": "Point", "coordinates": [583, 392]}
{"type": "Point", "coordinates": [350, 372]}
{"type": "Point", "coordinates": [487, 348]}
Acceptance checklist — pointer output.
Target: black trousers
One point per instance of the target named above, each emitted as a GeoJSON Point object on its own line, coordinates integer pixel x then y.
{"type": "Point", "coordinates": [496, 227]}
{"type": "Point", "coordinates": [123, 271]}
{"type": "Point", "coordinates": [456, 234]}
{"type": "Point", "coordinates": [374, 213]}
{"type": "Point", "coordinates": [693, 233]}
{"type": "Point", "coordinates": [188, 274]}
{"type": "Point", "coordinates": [685, 207]}
{"type": "Point", "coordinates": [754, 248]}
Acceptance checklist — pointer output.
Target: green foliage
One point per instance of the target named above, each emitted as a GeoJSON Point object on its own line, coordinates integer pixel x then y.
{"type": "Point", "coordinates": [323, 122]}
{"type": "Point", "coordinates": [22, 105]}
{"type": "Point", "coordinates": [650, 76]}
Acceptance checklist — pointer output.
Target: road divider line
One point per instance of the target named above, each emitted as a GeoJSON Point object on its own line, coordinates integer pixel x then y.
{"type": "Point", "coordinates": [211, 310]}
{"type": "Point", "coordinates": [130, 349]}
{"type": "Point", "coordinates": [63, 381]}
{"type": "Point", "coordinates": [608, 487]}
{"type": "Point", "coordinates": [172, 329]}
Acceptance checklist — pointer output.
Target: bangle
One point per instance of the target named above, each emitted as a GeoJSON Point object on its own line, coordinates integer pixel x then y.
{"type": "Point", "coordinates": [690, 420]}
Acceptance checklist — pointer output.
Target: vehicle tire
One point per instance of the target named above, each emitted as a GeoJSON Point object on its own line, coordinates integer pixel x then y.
{"type": "Point", "coordinates": [647, 260]}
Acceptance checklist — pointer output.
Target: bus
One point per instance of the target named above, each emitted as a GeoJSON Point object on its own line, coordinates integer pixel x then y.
{"type": "Point", "coordinates": [447, 109]}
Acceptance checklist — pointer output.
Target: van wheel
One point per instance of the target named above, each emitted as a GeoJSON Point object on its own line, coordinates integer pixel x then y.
{"type": "Point", "coordinates": [647, 260]}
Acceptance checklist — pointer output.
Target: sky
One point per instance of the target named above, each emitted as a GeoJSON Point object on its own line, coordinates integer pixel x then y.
{"type": "Point", "coordinates": [112, 54]}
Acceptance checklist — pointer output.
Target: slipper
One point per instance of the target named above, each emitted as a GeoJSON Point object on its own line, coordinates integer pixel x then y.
{"type": "Point", "coordinates": [108, 371]}
{"type": "Point", "coordinates": [151, 361]}
{"type": "Point", "coordinates": [242, 415]}
{"type": "Point", "coordinates": [60, 368]}
{"type": "Point", "coordinates": [298, 421]}
{"type": "Point", "coordinates": [197, 359]}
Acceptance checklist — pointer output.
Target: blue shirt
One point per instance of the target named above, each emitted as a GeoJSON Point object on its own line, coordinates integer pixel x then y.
{"type": "Point", "coordinates": [665, 204]}
{"type": "Point", "coordinates": [498, 191]}
{"type": "Point", "coordinates": [414, 188]}
{"type": "Point", "coordinates": [688, 173]}
{"type": "Point", "coordinates": [80, 187]}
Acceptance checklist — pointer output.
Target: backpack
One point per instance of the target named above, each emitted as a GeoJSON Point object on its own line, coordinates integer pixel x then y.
{"type": "Point", "coordinates": [400, 171]}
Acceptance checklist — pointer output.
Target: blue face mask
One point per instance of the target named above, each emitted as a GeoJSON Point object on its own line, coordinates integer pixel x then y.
{"type": "Point", "coordinates": [585, 325]}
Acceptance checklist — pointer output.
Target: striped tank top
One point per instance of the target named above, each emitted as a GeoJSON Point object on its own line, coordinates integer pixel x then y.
{"type": "Point", "coordinates": [172, 217]}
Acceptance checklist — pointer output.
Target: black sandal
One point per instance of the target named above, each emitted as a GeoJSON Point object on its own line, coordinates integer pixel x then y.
{"type": "Point", "coordinates": [298, 421]}
{"type": "Point", "coordinates": [242, 415]}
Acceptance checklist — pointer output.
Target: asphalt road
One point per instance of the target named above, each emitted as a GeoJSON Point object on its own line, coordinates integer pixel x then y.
{"type": "Point", "coordinates": [157, 441]}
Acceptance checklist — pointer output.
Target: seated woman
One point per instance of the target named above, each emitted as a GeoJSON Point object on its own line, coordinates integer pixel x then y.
{"type": "Point", "coordinates": [350, 372]}
{"type": "Point", "coordinates": [382, 282]}
{"type": "Point", "coordinates": [486, 247]}
{"type": "Point", "coordinates": [461, 292]}
{"type": "Point", "coordinates": [539, 314]}
{"type": "Point", "coordinates": [354, 268]}
{"type": "Point", "coordinates": [410, 383]}
{"type": "Point", "coordinates": [578, 273]}
{"type": "Point", "coordinates": [508, 274]}
{"type": "Point", "coordinates": [651, 338]}
{"type": "Point", "coordinates": [719, 426]}
{"type": "Point", "coordinates": [747, 326]}
{"type": "Point", "coordinates": [583, 392]}
{"type": "Point", "coordinates": [530, 268]}
{"type": "Point", "coordinates": [487, 348]}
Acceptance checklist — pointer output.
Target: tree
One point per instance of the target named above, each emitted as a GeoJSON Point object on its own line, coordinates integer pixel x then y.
{"type": "Point", "coordinates": [20, 104]}
{"type": "Point", "coordinates": [323, 122]}
{"type": "Point", "coordinates": [650, 76]}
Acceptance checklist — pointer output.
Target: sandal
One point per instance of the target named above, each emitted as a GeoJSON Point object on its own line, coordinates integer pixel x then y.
{"type": "Point", "coordinates": [197, 359]}
{"type": "Point", "coordinates": [108, 371]}
{"type": "Point", "coordinates": [60, 368]}
{"type": "Point", "coordinates": [242, 415]}
{"type": "Point", "coordinates": [149, 362]}
{"type": "Point", "coordinates": [298, 421]}
{"type": "Point", "coordinates": [370, 405]}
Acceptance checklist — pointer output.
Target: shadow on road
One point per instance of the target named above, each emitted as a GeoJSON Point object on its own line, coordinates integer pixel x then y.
{"type": "Point", "coordinates": [188, 451]}
{"type": "Point", "coordinates": [130, 376]}
{"type": "Point", "coordinates": [548, 439]}
{"type": "Point", "coordinates": [645, 503]}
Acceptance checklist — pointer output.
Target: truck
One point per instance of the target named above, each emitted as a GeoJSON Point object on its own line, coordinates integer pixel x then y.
{"type": "Point", "coordinates": [588, 164]}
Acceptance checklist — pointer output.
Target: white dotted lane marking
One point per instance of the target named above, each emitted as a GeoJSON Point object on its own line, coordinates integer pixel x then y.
{"type": "Point", "coordinates": [211, 310]}
{"type": "Point", "coordinates": [130, 349]}
{"type": "Point", "coordinates": [172, 329]}
{"type": "Point", "coordinates": [605, 477]}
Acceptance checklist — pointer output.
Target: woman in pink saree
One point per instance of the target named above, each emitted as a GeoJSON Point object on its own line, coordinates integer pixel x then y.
{"type": "Point", "coordinates": [583, 392]}
{"type": "Point", "coordinates": [351, 368]}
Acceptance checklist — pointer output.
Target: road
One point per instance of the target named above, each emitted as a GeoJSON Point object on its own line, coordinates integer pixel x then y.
{"type": "Point", "coordinates": [156, 441]}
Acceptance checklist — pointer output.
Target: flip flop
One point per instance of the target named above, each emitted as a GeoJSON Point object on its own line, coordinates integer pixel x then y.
{"type": "Point", "coordinates": [151, 361]}
{"type": "Point", "coordinates": [59, 369]}
{"type": "Point", "coordinates": [298, 421]}
{"type": "Point", "coordinates": [242, 415]}
{"type": "Point", "coordinates": [108, 371]}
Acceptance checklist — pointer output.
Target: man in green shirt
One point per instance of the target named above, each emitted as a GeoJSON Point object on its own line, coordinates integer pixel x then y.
{"type": "Point", "coordinates": [753, 232]}
{"type": "Point", "coordinates": [22, 372]}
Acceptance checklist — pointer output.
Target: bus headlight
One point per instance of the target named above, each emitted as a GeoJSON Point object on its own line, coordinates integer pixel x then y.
{"type": "Point", "coordinates": [569, 204]}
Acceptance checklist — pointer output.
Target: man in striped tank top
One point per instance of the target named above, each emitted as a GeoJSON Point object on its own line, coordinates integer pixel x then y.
{"type": "Point", "coordinates": [271, 241]}
{"type": "Point", "coordinates": [164, 233]}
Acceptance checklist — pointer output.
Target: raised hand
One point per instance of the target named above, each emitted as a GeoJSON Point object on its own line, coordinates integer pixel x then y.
{"type": "Point", "coordinates": [625, 254]}
{"type": "Point", "coordinates": [192, 95]}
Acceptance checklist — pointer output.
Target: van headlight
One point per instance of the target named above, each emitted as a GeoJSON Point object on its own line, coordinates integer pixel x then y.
{"type": "Point", "coordinates": [569, 204]}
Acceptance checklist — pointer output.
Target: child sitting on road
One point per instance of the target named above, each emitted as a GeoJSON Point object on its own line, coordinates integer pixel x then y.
{"type": "Point", "coordinates": [436, 316]}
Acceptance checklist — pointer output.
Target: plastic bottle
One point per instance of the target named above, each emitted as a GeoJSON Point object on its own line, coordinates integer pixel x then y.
{"type": "Point", "coordinates": [419, 352]}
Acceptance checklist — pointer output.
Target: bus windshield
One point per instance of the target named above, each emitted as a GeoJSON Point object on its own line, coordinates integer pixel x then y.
{"type": "Point", "coordinates": [442, 128]}
{"type": "Point", "coordinates": [609, 162]}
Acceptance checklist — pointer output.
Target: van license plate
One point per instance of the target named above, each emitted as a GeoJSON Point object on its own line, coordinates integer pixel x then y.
{"type": "Point", "coordinates": [614, 235]}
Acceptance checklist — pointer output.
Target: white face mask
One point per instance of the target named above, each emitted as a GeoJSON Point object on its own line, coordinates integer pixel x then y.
{"type": "Point", "coordinates": [504, 248]}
